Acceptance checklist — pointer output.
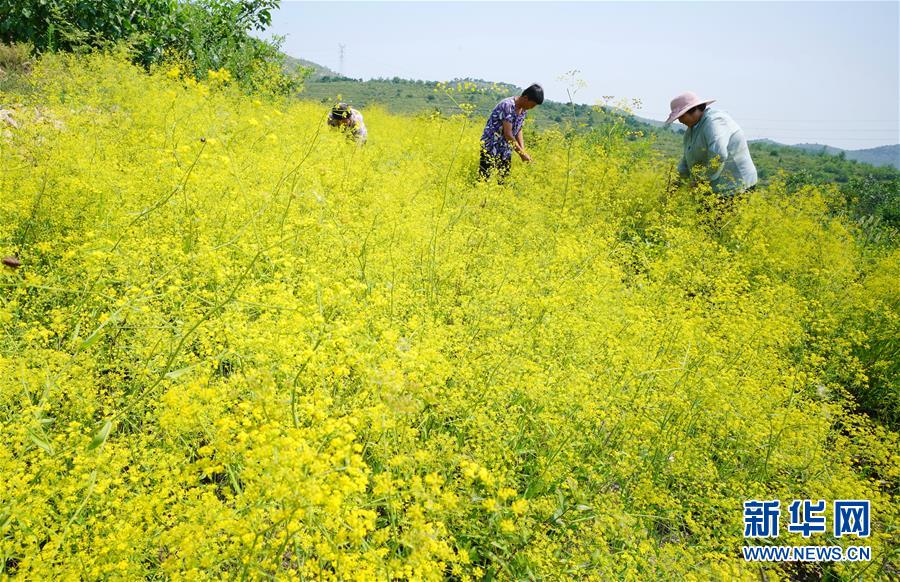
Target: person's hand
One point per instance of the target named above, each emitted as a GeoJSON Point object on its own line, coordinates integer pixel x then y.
{"type": "Point", "coordinates": [525, 157]}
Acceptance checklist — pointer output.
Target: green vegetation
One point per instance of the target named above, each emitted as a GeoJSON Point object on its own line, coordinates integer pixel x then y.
{"type": "Point", "coordinates": [204, 35]}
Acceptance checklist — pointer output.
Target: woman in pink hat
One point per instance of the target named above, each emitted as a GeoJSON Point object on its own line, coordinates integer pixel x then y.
{"type": "Point", "coordinates": [715, 142]}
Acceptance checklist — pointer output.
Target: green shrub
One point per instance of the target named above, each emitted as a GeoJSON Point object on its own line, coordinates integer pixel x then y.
{"type": "Point", "coordinates": [15, 58]}
{"type": "Point", "coordinates": [211, 34]}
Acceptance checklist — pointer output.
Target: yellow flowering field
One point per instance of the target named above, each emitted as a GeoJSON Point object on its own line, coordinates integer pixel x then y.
{"type": "Point", "coordinates": [239, 346]}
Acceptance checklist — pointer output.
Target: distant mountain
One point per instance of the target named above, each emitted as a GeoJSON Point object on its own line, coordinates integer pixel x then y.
{"type": "Point", "coordinates": [888, 155]}
{"type": "Point", "coordinates": [817, 148]}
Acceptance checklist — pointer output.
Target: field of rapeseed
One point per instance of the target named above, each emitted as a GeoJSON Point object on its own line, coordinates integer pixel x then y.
{"type": "Point", "coordinates": [239, 346]}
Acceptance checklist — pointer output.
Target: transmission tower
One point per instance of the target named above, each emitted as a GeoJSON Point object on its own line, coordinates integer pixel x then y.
{"type": "Point", "coordinates": [341, 68]}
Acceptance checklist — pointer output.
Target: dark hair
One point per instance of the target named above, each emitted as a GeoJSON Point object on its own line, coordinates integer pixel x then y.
{"type": "Point", "coordinates": [534, 93]}
{"type": "Point", "coordinates": [340, 111]}
{"type": "Point", "coordinates": [701, 107]}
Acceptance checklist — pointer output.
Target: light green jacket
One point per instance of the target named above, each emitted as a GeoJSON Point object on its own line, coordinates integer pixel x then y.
{"type": "Point", "coordinates": [716, 135]}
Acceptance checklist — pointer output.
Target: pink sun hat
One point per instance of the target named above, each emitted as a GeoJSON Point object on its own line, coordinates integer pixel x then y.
{"type": "Point", "coordinates": [684, 102]}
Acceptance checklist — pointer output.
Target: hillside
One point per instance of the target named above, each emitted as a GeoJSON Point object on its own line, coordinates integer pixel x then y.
{"type": "Point", "coordinates": [237, 346]}
{"type": "Point", "coordinates": [881, 156]}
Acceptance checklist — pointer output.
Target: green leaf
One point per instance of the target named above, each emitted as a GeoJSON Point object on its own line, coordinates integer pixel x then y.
{"type": "Point", "coordinates": [91, 339]}
{"type": "Point", "coordinates": [39, 438]}
{"type": "Point", "coordinates": [174, 374]}
{"type": "Point", "coordinates": [98, 333]}
{"type": "Point", "coordinates": [76, 331]}
{"type": "Point", "coordinates": [101, 435]}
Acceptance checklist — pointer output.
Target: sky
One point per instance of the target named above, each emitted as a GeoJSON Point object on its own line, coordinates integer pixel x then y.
{"type": "Point", "coordinates": [798, 72]}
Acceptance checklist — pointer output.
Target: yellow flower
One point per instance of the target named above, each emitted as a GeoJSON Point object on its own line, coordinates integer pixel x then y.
{"type": "Point", "coordinates": [299, 359]}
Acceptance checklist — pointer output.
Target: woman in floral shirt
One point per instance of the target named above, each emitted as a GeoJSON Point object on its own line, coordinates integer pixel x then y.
{"type": "Point", "coordinates": [503, 131]}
